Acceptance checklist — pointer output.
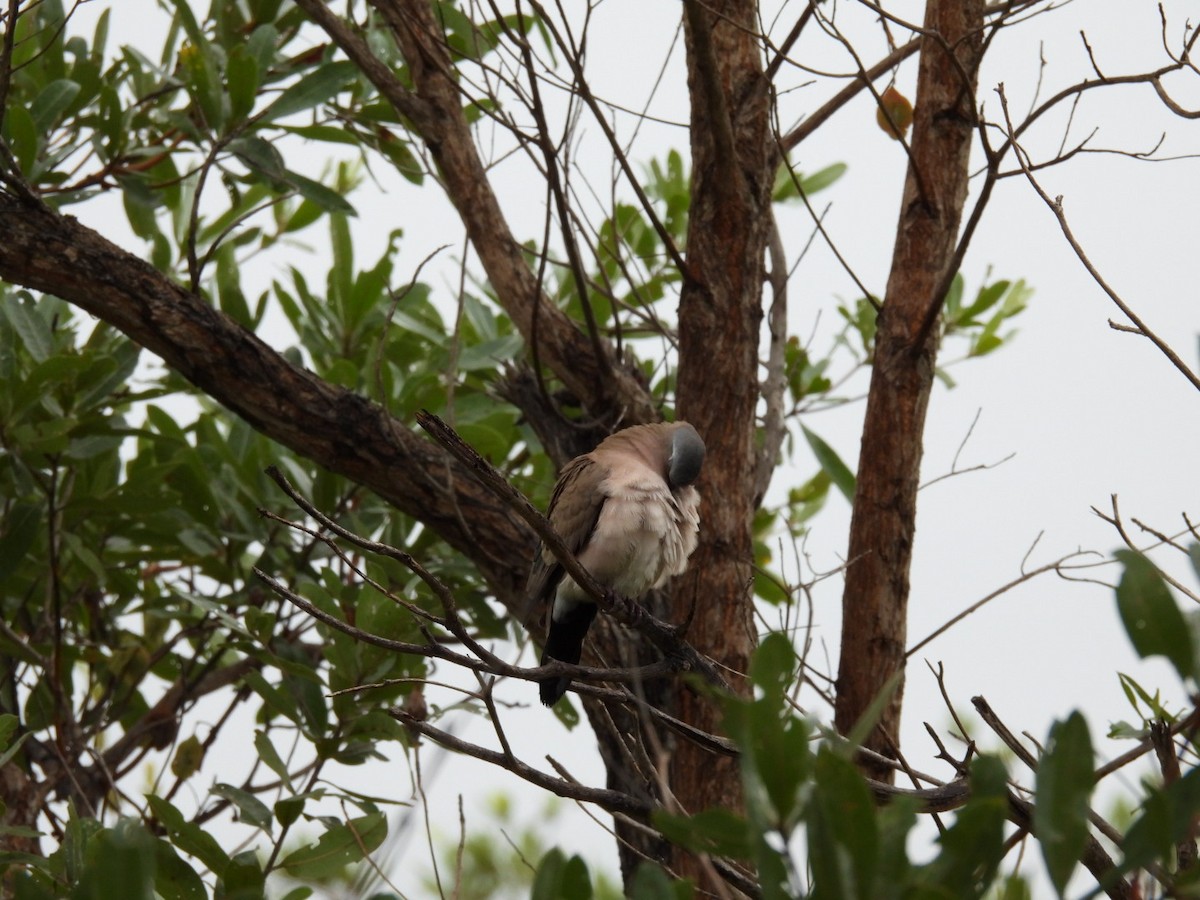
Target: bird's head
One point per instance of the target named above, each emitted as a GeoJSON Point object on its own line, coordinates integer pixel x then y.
{"type": "Point", "coordinates": [686, 456]}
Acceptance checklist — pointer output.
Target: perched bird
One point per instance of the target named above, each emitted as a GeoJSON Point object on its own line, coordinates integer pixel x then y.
{"type": "Point", "coordinates": [629, 512]}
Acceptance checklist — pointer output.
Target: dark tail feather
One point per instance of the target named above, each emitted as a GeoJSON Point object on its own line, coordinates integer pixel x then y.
{"type": "Point", "coordinates": [565, 643]}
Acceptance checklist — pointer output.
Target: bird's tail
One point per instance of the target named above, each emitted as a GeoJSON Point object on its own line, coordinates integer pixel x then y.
{"type": "Point", "coordinates": [565, 643]}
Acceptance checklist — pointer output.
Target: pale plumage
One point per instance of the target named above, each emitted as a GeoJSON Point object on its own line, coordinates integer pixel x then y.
{"type": "Point", "coordinates": [629, 511]}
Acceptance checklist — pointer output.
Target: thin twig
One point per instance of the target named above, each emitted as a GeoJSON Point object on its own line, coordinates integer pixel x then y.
{"type": "Point", "coordinates": [1056, 207]}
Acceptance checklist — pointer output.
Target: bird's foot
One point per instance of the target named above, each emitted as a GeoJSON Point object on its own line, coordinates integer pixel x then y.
{"type": "Point", "coordinates": [628, 611]}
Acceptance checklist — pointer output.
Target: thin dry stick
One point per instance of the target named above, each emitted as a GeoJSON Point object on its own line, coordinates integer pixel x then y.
{"type": "Point", "coordinates": [1056, 207]}
{"type": "Point", "coordinates": [1093, 854]}
{"type": "Point", "coordinates": [975, 607]}
{"type": "Point", "coordinates": [613, 801]}
{"type": "Point", "coordinates": [494, 665]}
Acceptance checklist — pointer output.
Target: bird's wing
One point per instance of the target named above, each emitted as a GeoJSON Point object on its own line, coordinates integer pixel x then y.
{"type": "Point", "coordinates": [574, 508]}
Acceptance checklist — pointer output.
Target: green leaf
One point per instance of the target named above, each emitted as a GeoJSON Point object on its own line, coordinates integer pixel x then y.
{"type": "Point", "coordinates": [260, 155]}
{"type": "Point", "coordinates": [243, 879]}
{"type": "Point", "coordinates": [790, 184]}
{"type": "Point", "coordinates": [270, 758]}
{"type": "Point", "coordinates": [337, 848]}
{"type": "Point", "coordinates": [262, 43]}
{"type": "Point", "coordinates": [188, 836]}
{"type": "Point", "coordinates": [330, 134]}
{"type": "Point", "coordinates": [188, 757]}
{"type": "Point", "coordinates": [822, 179]}
{"type": "Point", "coordinates": [326, 198]}
{"type": "Point", "coordinates": [842, 833]}
{"type": "Point", "coordinates": [715, 831]}
{"type": "Point", "coordinates": [832, 464]}
{"type": "Point", "coordinates": [1167, 817]}
{"type": "Point", "coordinates": [1064, 786]}
{"type": "Point", "coordinates": [250, 809]}
{"type": "Point", "coordinates": [174, 879]}
{"type": "Point", "coordinates": [52, 102]}
{"type": "Point", "coordinates": [288, 810]}
{"type": "Point", "coordinates": [313, 89]}
{"type": "Point", "coordinates": [650, 882]}
{"type": "Point", "coordinates": [198, 61]}
{"type": "Point", "coordinates": [971, 849]}
{"type": "Point", "coordinates": [987, 297]}
{"type": "Point", "coordinates": [120, 863]}
{"type": "Point", "coordinates": [874, 711]}
{"type": "Point", "coordinates": [1152, 619]}
{"type": "Point", "coordinates": [241, 76]}
{"type": "Point", "coordinates": [31, 327]}
{"type": "Point", "coordinates": [559, 878]}
{"type": "Point", "coordinates": [22, 136]}
{"type": "Point", "coordinates": [10, 751]}
{"type": "Point", "coordinates": [773, 665]}
{"type": "Point", "coordinates": [954, 295]}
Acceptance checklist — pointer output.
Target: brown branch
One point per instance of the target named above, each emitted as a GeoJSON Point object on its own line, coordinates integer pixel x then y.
{"type": "Point", "coordinates": [1095, 858]}
{"type": "Point", "coordinates": [612, 801]}
{"type": "Point", "coordinates": [824, 112]}
{"type": "Point", "coordinates": [717, 383]}
{"type": "Point", "coordinates": [1163, 741]}
{"type": "Point", "coordinates": [626, 611]}
{"type": "Point", "coordinates": [1187, 723]}
{"type": "Point", "coordinates": [580, 84]}
{"type": "Point", "coordinates": [709, 91]}
{"type": "Point", "coordinates": [979, 604]}
{"type": "Point", "coordinates": [786, 45]}
{"type": "Point", "coordinates": [774, 384]}
{"type": "Point", "coordinates": [858, 83]}
{"type": "Point", "coordinates": [6, 54]}
{"type": "Point", "coordinates": [883, 524]}
{"type": "Point", "coordinates": [328, 424]}
{"type": "Point", "coordinates": [435, 108]}
{"type": "Point", "coordinates": [554, 184]}
{"type": "Point", "coordinates": [435, 650]}
{"type": "Point", "coordinates": [1056, 207]}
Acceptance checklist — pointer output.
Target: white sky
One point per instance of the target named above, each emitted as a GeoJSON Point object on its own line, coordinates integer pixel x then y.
{"type": "Point", "coordinates": [1086, 410]}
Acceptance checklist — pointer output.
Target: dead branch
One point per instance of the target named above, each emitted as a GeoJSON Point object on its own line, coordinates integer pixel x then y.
{"type": "Point", "coordinates": [1056, 207]}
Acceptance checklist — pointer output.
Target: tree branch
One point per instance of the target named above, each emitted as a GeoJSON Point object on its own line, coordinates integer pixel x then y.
{"type": "Point", "coordinates": [434, 106]}
{"type": "Point", "coordinates": [883, 524]}
{"type": "Point", "coordinates": [1056, 207]}
{"type": "Point", "coordinates": [336, 428]}
{"type": "Point", "coordinates": [628, 612]}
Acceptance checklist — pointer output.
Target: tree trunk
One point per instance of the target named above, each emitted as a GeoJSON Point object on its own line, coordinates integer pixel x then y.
{"type": "Point", "coordinates": [719, 325]}
{"type": "Point", "coordinates": [875, 603]}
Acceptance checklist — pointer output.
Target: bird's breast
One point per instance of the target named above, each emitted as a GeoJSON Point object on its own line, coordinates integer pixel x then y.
{"type": "Point", "coordinates": [644, 536]}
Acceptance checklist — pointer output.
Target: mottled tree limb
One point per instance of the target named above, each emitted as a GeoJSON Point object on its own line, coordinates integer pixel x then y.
{"type": "Point", "coordinates": [883, 525]}
{"type": "Point", "coordinates": [336, 428]}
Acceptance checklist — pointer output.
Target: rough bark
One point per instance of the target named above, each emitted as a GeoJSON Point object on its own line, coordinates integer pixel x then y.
{"type": "Point", "coordinates": [340, 430]}
{"type": "Point", "coordinates": [719, 325]}
{"type": "Point", "coordinates": [875, 602]}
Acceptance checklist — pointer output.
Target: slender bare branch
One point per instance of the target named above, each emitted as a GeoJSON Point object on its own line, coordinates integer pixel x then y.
{"type": "Point", "coordinates": [1056, 207]}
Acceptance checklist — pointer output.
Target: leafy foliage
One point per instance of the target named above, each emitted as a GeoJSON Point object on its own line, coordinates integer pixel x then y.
{"type": "Point", "coordinates": [133, 510]}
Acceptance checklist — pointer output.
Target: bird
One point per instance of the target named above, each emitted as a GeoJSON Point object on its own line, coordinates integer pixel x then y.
{"type": "Point", "coordinates": [629, 511]}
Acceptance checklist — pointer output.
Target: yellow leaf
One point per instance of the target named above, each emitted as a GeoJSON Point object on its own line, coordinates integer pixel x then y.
{"type": "Point", "coordinates": [895, 114]}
